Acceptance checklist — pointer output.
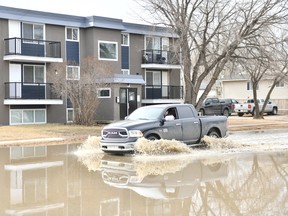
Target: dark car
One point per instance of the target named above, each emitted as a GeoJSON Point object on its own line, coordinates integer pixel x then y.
{"type": "Point", "coordinates": [231, 102]}
{"type": "Point", "coordinates": [216, 106]}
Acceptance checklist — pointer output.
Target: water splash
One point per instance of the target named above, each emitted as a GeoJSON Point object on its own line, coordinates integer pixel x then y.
{"type": "Point", "coordinates": [158, 157]}
{"type": "Point", "coordinates": [222, 144]}
{"type": "Point", "coordinates": [90, 154]}
{"type": "Point", "coordinates": [160, 147]}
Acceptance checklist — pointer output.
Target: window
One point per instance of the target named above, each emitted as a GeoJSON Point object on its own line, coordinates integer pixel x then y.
{"type": "Point", "coordinates": [185, 112]}
{"type": "Point", "coordinates": [70, 114]}
{"type": "Point", "coordinates": [125, 39]}
{"type": "Point", "coordinates": [108, 50]}
{"type": "Point", "coordinates": [104, 93]}
{"type": "Point", "coordinates": [280, 84]}
{"type": "Point", "coordinates": [250, 87]}
{"type": "Point", "coordinates": [32, 31]}
{"type": "Point", "coordinates": [33, 73]}
{"type": "Point", "coordinates": [72, 34]}
{"type": "Point", "coordinates": [125, 71]}
{"type": "Point", "coordinates": [153, 78]}
{"type": "Point", "coordinates": [153, 43]}
{"type": "Point", "coordinates": [27, 116]}
{"type": "Point", "coordinates": [73, 73]}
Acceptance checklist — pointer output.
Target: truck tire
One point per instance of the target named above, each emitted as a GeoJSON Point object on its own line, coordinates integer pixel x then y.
{"type": "Point", "coordinates": [253, 112]}
{"type": "Point", "coordinates": [240, 114]}
{"type": "Point", "coordinates": [226, 112]}
{"type": "Point", "coordinates": [213, 133]}
{"type": "Point", "coordinates": [152, 137]}
{"type": "Point", "coordinates": [274, 111]}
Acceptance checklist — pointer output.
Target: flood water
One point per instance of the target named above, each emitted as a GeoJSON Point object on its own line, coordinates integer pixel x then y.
{"type": "Point", "coordinates": [244, 178]}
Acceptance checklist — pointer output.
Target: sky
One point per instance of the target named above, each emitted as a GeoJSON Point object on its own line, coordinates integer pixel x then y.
{"type": "Point", "coordinates": [126, 10]}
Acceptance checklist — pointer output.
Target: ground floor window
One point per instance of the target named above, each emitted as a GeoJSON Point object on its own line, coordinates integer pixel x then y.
{"type": "Point", "coordinates": [104, 93]}
{"type": "Point", "coordinates": [27, 116]}
{"type": "Point", "coordinates": [70, 115]}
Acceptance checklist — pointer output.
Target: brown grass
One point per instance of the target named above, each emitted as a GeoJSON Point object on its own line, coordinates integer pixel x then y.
{"type": "Point", "coordinates": [70, 133]}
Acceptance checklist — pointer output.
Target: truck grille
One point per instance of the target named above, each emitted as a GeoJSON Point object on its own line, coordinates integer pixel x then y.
{"type": "Point", "coordinates": [115, 133]}
{"type": "Point", "coordinates": [115, 178]}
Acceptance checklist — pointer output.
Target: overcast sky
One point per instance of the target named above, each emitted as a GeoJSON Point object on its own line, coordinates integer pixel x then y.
{"type": "Point", "coordinates": [122, 9]}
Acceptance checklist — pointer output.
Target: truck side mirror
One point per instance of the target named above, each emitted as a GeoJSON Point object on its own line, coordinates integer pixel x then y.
{"type": "Point", "coordinates": [169, 118]}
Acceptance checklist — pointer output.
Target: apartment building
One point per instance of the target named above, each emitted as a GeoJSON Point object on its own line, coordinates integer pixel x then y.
{"type": "Point", "coordinates": [145, 64]}
{"type": "Point", "coordinates": [245, 91]}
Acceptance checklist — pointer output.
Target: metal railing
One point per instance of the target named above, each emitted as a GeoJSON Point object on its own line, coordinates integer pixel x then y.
{"type": "Point", "coordinates": [162, 92]}
{"type": "Point", "coordinates": [160, 57]}
{"type": "Point", "coordinates": [31, 47]}
{"type": "Point", "coordinates": [20, 90]}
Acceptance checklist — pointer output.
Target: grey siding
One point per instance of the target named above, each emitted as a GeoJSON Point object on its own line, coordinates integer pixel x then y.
{"type": "Point", "coordinates": [89, 44]}
{"type": "Point", "coordinates": [56, 113]}
{"type": "Point", "coordinates": [175, 77]}
{"type": "Point", "coordinates": [105, 110]}
{"type": "Point", "coordinates": [4, 73]}
{"type": "Point", "coordinates": [136, 47]}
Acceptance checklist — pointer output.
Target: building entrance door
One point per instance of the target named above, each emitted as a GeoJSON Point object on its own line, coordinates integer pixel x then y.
{"type": "Point", "coordinates": [128, 101]}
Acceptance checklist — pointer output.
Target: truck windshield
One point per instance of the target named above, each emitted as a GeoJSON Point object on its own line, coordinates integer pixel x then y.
{"type": "Point", "coordinates": [146, 113]}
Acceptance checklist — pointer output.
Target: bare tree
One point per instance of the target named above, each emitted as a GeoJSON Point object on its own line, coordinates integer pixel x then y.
{"type": "Point", "coordinates": [210, 31]}
{"type": "Point", "coordinates": [81, 91]}
{"type": "Point", "coordinates": [264, 58]}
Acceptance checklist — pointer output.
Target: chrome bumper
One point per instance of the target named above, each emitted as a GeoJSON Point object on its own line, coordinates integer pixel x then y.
{"type": "Point", "coordinates": [117, 147]}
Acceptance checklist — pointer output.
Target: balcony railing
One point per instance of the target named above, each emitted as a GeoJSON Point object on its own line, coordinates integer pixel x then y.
{"type": "Point", "coordinates": [20, 90]}
{"type": "Point", "coordinates": [31, 47]}
{"type": "Point", "coordinates": [160, 57]}
{"type": "Point", "coordinates": [162, 92]}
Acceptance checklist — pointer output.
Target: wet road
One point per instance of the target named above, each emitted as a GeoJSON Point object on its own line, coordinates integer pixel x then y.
{"type": "Point", "coordinates": [250, 179]}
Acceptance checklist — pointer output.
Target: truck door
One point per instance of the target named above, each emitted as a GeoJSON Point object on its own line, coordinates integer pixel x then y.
{"type": "Point", "coordinates": [172, 129]}
{"type": "Point", "coordinates": [191, 126]}
{"type": "Point", "coordinates": [215, 107]}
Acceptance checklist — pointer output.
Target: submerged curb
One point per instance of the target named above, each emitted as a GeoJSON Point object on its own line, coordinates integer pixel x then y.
{"type": "Point", "coordinates": [30, 141]}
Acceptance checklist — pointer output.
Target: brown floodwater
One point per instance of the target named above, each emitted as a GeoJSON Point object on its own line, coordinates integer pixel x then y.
{"type": "Point", "coordinates": [74, 180]}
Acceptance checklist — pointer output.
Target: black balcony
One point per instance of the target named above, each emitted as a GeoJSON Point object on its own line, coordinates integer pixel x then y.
{"type": "Point", "coordinates": [19, 90]}
{"type": "Point", "coordinates": [162, 92]}
{"type": "Point", "coordinates": [30, 47]}
{"type": "Point", "coordinates": [160, 57]}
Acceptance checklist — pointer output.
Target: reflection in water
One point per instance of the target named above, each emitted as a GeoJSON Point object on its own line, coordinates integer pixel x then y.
{"type": "Point", "coordinates": [75, 180]}
{"type": "Point", "coordinates": [160, 179]}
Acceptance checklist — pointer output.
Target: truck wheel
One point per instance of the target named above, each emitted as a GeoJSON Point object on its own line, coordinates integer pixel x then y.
{"type": "Point", "coordinates": [152, 137]}
{"type": "Point", "coordinates": [226, 112]}
{"type": "Point", "coordinates": [274, 111]}
{"type": "Point", "coordinates": [213, 133]}
{"type": "Point", "coordinates": [240, 114]}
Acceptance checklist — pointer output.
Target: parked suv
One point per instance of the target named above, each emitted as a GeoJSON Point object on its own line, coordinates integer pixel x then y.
{"type": "Point", "coordinates": [216, 106]}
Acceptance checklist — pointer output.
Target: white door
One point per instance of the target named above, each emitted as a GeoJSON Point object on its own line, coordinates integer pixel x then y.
{"type": "Point", "coordinates": [14, 32]}
{"type": "Point", "coordinates": [15, 81]}
{"type": "Point", "coordinates": [165, 82]}
{"type": "Point", "coordinates": [165, 49]}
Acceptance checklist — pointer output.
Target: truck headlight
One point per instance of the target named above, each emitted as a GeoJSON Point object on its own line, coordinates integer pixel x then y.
{"type": "Point", "coordinates": [135, 133]}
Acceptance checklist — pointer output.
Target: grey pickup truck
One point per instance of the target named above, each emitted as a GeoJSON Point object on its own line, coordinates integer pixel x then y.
{"type": "Point", "coordinates": [168, 121]}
